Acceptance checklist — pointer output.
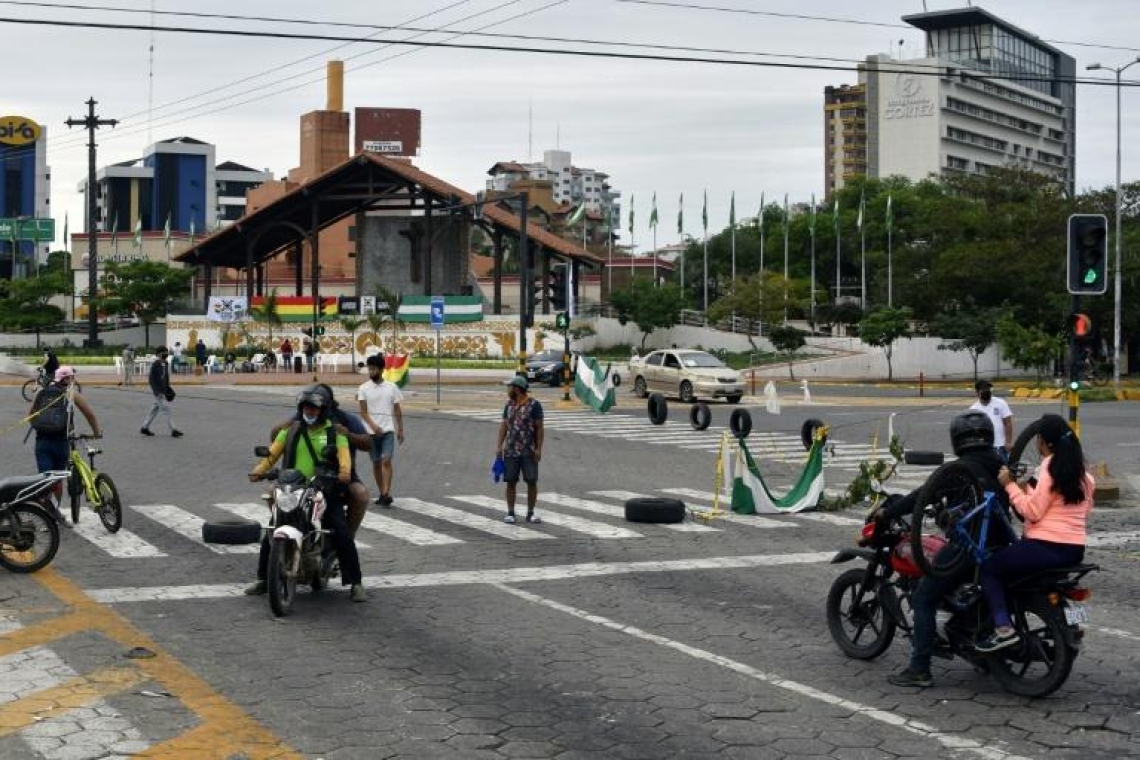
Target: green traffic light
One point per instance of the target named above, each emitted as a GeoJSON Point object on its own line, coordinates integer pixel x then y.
{"type": "Point", "coordinates": [1074, 385]}
{"type": "Point", "coordinates": [1090, 277]}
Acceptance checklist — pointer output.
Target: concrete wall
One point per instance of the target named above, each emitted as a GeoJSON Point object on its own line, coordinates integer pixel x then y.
{"type": "Point", "coordinates": [386, 257]}
{"type": "Point", "coordinates": [133, 335]}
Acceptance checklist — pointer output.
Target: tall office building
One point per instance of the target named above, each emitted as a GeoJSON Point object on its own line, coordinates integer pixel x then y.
{"type": "Point", "coordinates": [25, 192]}
{"type": "Point", "coordinates": [987, 94]}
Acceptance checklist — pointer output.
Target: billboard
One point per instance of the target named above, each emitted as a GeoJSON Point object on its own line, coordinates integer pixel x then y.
{"type": "Point", "coordinates": [388, 131]}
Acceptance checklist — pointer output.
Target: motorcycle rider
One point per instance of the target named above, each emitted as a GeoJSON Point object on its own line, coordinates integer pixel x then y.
{"type": "Point", "coordinates": [299, 443]}
{"type": "Point", "coordinates": [972, 438]}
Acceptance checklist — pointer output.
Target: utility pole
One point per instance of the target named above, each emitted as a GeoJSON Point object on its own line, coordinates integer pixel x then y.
{"type": "Point", "coordinates": [91, 122]}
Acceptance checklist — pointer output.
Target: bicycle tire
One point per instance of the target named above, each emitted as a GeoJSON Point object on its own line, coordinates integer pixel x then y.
{"type": "Point", "coordinates": [74, 494]}
{"type": "Point", "coordinates": [1024, 449]}
{"type": "Point", "coordinates": [35, 526]}
{"type": "Point", "coordinates": [953, 490]}
{"type": "Point", "coordinates": [1099, 378]}
{"type": "Point", "coordinates": [111, 509]}
{"type": "Point", "coordinates": [30, 389]}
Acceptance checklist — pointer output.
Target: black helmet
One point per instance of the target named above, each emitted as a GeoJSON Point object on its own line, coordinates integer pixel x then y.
{"type": "Point", "coordinates": [970, 432]}
{"type": "Point", "coordinates": [315, 395]}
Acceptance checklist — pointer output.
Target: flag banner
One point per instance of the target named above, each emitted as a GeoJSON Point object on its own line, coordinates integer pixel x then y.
{"type": "Point", "coordinates": [859, 220]}
{"type": "Point", "coordinates": [750, 495]}
{"type": "Point", "coordinates": [594, 386]}
{"type": "Point", "coordinates": [578, 215]}
{"type": "Point", "coordinates": [457, 309]}
{"type": "Point", "coordinates": [653, 212]}
{"type": "Point", "coordinates": [835, 213]}
{"type": "Point", "coordinates": [226, 308]}
{"type": "Point", "coordinates": [396, 369]}
{"type": "Point", "coordinates": [299, 308]}
{"type": "Point", "coordinates": [811, 217]}
{"type": "Point", "coordinates": [138, 232]}
{"type": "Point", "coordinates": [115, 232]}
{"type": "Point", "coordinates": [681, 215]}
{"type": "Point", "coordinates": [760, 216]}
{"type": "Point", "coordinates": [631, 215]}
{"type": "Point", "coordinates": [732, 210]}
{"type": "Point", "coordinates": [166, 231]}
{"type": "Point", "coordinates": [66, 234]}
{"type": "Point", "coordinates": [191, 233]}
{"type": "Point", "coordinates": [890, 213]}
{"type": "Point", "coordinates": [705, 214]}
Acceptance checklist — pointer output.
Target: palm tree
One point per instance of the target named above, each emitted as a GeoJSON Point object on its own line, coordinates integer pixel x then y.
{"type": "Point", "coordinates": [269, 313]}
{"type": "Point", "coordinates": [391, 315]}
{"type": "Point", "coordinates": [351, 325]}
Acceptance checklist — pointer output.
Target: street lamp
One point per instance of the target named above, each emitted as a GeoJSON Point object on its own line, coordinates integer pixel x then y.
{"type": "Point", "coordinates": [1116, 285]}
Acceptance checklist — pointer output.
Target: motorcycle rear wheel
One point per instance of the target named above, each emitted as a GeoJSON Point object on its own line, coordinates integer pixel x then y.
{"type": "Point", "coordinates": [282, 582]}
{"type": "Point", "coordinates": [861, 632]}
{"type": "Point", "coordinates": [29, 538]}
{"type": "Point", "coordinates": [1041, 661]}
{"type": "Point", "coordinates": [951, 492]}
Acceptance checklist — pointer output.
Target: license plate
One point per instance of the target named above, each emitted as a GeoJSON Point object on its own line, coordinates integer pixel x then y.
{"type": "Point", "coordinates": [1076, 613]}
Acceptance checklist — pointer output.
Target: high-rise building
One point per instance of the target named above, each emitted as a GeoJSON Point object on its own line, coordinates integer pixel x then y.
{"type": "Point", "coordinates": [987, 94]}
{"type": "Point", "coordinates": [845, 134]}
{"type": "Point", "coordinates": [25, 192]}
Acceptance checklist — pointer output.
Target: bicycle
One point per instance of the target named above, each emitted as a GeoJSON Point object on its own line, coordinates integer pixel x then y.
{"type": "Point", "coordinates": [1095, 372]}
{"type": "Point", "coordinates": [84, 480]}
{"type": "Point", "coordinates": [41, 381]}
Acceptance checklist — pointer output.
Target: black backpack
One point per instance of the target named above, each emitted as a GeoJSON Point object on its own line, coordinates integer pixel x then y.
{"type": "Point", "coordinates": [50, 410]}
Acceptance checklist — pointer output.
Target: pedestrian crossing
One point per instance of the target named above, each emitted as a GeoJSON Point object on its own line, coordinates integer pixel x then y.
{"type": "Point", "coordinates": [841, 457]}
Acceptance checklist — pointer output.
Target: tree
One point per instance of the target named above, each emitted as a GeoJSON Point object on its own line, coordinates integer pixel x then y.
{"type": "Point", "coordinates": [760, 299]}
{"type": "Point", "coordinates": [647, 306]}
{"type": "Point", "coordinates": [882, 327]}
{"type": "Point", "coordinates": [24, 303]}
{"type": "Point", "coordinates": [269, 313]}
{"type": "Point", "coordinates": [145, 289]}
{"type": "Point", "coordinates": [388, 310]}
{"type": "Point", "coordinates": [787, 340]}
{"type": "Point", "coordinates": [351, 325]}
{"type": "Point", "coordinates": [1028, 347]}
{"type": "Point", "coordinates": [968, 329]}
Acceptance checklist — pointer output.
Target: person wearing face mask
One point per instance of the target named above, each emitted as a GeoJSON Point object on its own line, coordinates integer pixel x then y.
{"type": "Point", "coordinates": [520, 446]}
{"type": "Point", "coordinates": [998, 412]}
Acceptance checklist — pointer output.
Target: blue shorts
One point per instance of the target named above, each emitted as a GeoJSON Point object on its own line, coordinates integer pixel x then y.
{"type": "Point", "coordinates": [52, 453]}
{"type": "Point", "coordinates": [383, 446]}
{"type": "Point", "coordinates": [528, 465]}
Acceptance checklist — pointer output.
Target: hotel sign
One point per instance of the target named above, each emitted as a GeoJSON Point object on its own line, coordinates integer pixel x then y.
{"type": "Point", "coordinates": [909, 102]}
{"type": "Point", "coordinates": [18, 130]}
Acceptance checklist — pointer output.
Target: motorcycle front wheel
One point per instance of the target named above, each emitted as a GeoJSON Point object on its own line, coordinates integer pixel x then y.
{"type": "Point", "coordinates": [29, 538]}
{"type": "Point", "coordinates": [861, 627]}
{"type": "Point", "coordinates": [1041, 661]}
{"type": "Point", "coordinates": [282, 582]}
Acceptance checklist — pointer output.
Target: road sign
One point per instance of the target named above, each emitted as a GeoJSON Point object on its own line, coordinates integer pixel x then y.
{"type": "Point", "coordinates": [437, 312]}
{"type": "Point", "coordinates": [12, 228]}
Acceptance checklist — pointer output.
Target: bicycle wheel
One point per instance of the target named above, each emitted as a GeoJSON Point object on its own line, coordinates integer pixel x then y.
{"type": "Point", "coordinates": [29, 538]}
{"type": "Point", "coordinates": [29, 390]}
{"type": "Point", "coordinates": [74, 494]}
{"type": "Point", "coordinates": [946, 497]}
{"type": "Point", "coordinates": [110, 508]}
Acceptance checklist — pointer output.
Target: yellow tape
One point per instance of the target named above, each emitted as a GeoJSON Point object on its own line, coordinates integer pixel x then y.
{"type": "Point", "coordinates": [27, 420]}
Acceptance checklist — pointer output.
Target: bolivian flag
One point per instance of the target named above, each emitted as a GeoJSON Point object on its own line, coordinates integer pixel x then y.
{"type": "Point", "coordinates": [396, 369]}
{"type": "Point", "coordinates": [300, 308]}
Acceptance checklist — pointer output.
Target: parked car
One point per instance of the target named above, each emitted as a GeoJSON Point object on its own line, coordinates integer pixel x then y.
{"type": "Point", "coordinates": [685, 373]}
{"type": "Point", "coordinates": [546, 367]}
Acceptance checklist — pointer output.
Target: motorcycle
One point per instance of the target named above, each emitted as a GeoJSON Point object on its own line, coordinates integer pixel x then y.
{"type": "Point", "coordinates": [299, 550]}
{"type": "Point", "coordinates": [29, 535]}
{"type": "Point", "coordinates": [869, 605]}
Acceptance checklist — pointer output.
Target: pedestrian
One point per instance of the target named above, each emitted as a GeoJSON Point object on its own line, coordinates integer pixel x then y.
{"type": "Point", "coordinates": [177, 360]}
{"type": "Point", "coordinates": [287, 355]}
{"type": "Point", "coordinates": [999, 414]}
{"type": "Point", "coordinates": [200, 353]}
{"type": "Point", "coordinates": [159, 380]}
{"type": "Point", "coordinates": [50, 365]}
{"type": "Point", "coordinates": [520, 446]}
{"type": "Point", "coordinates": [53, 418]}
{"type": "Point", "coordinates": [128, 377]}
{"type": "Point", "coordinates": [310, 352]}
{"type": "Point", "coordinates": [380, 409]}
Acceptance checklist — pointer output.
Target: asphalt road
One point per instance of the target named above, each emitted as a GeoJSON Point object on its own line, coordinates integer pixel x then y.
{"type": "Point", "coordinates": [585, 637]}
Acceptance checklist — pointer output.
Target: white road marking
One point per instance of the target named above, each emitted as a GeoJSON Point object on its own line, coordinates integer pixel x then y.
{"type": "Point", "coordinates": [408, 532]}
{"type": "Point", "coordinates": [952, 742]}
{"type": "Point", "coordinates": [466, 577]}
{"type": "Point", "coordinates": [1116, 632]}
{"type": "Point", "coordinates": [468, 520]}
{"type": "Point", "coordinates": [188, 525]}
{"type": "Point", "coordinates": [1115, 538]}
{"type": "Point", "coordinates": [122, 544]}
{"type": "Point", "coordinates": [610, 510]}
{"type": "Point", "coordinates": [589, 527]}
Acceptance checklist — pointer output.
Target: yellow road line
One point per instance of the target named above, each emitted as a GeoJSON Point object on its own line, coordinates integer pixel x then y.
{"type": "Point", "coordinates": [73, 693]}
{"type": "Point", "coordinates": [224, 724]}
{"type": "Point", "coordinates": [43, 632]}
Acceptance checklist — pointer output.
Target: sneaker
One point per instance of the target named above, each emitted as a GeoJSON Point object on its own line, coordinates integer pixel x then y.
{"type": "Point", "coordinates": [996, 641]}
{"type": "Point", "coordinates": [510, 520]}
{"type": "Point", "coordinates": [257, 588]}
{"type": "Point", "coordinates": [175, 433]}
{"type": "Point", "coordinates": [378, 501]}
{"type": "Point", "coordinates": [533, 519]}
{"type": "Point", "coordinates": [909, 677]}
{"type": "Point", "coordinates": [146, 431]}
{"type": "Point", "coordinates": [357, 593]}
{"type": "Point", "coordinates": [385, 499]}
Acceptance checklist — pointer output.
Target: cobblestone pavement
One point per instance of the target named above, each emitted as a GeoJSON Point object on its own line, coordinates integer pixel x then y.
{"type": "Point", "coordinates": [583, 637]}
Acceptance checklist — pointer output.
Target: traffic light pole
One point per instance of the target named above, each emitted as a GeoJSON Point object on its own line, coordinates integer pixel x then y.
{"type": "Point", "coordinates": [1073, 394]}
{"type": "Point", "coordinates": [526, 277]}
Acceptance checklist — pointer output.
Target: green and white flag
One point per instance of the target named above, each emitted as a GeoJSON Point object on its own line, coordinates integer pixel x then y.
{"type": "Point", "coordinates": [760, 216]}
{"type": "Point", "coordinates": [835, 214]}
{"type": "Point", "coordinates": [859, 220]}
{"type": "Point", "coordinates": [66, 234]}
{"type": "Point", "coordinates": [594, 386]}
{"type": "Point", "coordinates": [890, 214]}
{"type": "Point", "coordinates": [811, 217]}
{"type": "Point", "coordinates": [166, 231]}
{"type": "Point", "coordinates": [653, 212]}
{"type": "Point", "coordinates": [705, 214]}
{"type": "Point", "coordinates": [750, 495]}
{"type": "Point", "coordinates": [578, 215]}
{"type": "Point", "coordinates": [732, 210]}
{"type": "Point", "coordinates": [631, 215]}
{"type": "Point", "coordinates": [681, 215]}
{"type": "Point", "coordinates": [138, 232]}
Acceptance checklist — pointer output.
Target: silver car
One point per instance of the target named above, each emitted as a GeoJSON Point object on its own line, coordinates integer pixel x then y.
{"type": "Point", "coordinates": [686, 373]}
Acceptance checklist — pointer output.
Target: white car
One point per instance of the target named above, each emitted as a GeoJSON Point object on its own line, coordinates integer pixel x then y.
{"type": "Point", "coordinates": [685, 373]}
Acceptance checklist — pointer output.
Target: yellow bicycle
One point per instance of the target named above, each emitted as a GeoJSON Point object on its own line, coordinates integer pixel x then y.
{"type": "Point", "coordinates": [85, 480]}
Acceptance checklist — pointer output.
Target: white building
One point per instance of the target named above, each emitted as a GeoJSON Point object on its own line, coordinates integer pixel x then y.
{"type": "Point", "coordinates": [569, 184]}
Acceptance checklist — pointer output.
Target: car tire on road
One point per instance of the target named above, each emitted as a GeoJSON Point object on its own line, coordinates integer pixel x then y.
{"type": "Point", "coordinates": [740, 423]}
{"type": "Point", "coordinates": [700, 416]}
{"type": "Point", "coordinates": [923, 457]}
{"type": "Point", "coordinates": [655, 510]}
{"type": "Point", "coordinates": [658, 409]}
{"type": "Point", "coordinates": [231, 532]}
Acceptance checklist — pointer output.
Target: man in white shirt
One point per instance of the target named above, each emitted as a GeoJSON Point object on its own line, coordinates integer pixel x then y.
{"type": "Point", "coordinates": [380, 410]}
{"type": "Point", "coordinates": [998, 412]}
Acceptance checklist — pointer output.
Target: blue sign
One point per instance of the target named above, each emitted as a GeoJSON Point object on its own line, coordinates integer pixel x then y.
{"type": "Point", "coordinates": [437, 312]}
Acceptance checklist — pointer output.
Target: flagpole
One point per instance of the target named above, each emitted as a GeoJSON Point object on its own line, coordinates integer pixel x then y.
{"type": "Point", "coordinates": [655, 255]}
{"type": "Point", "coordinates": [785, 257]}
{"type": "Point", "coordinates": [610, 250]}
{"type": "Point", "coordinates": [813, 262]}
{"type": "Point", "coordinates": [890, 273]}
{"type": "Point", "coordinates": [706, 274]}
{"type": "Point", "coordinates": [838, 254]}
{"type": "Point", "coordinates": [863, 267]}
{"type": "Point", "coordinates": [760, 225]}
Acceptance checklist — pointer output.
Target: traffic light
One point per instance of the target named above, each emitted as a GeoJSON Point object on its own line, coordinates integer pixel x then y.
{"type": "Point", "coordinates": [1088, 254]}
{"type": "Point", "coordinates": [558, 287]}
{"type": "Point", "coordinates": [562, 321]}
{"type": "Point", "coordinates": [1081, 325]}
{"type": "Point", "coordinates": [322, 306]}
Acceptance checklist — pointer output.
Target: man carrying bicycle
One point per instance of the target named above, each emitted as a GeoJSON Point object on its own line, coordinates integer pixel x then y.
{"type": "Point", "coordinates": [52, 417]}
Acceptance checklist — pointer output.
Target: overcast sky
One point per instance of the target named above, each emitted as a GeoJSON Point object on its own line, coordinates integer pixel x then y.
{"type": "Point", "coordinates": [669, 128]}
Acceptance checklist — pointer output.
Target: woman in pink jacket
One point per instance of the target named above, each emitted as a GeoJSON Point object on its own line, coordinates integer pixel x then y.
{"type": "Point", "coordinates": [1055, 509]}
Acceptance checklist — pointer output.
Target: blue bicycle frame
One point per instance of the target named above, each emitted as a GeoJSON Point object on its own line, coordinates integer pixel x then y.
{"type": "Point", "coordinates": [961, 533]}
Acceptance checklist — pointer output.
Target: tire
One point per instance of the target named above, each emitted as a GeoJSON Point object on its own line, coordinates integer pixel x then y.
{"type": "Point", "coordinates": [31, 387]}
{"type": "Point", "coordinates": [282, 584]}
{"type": "Point", "coordinates": [685, 392]}
{"type": "Point", "coordinates": [700, 416]}
{"type": "Point", "coordinates": [1041, 661]}
{"type": "Point", "coordinates": [863, 632]}
{"type": "Point", "coordinates": [615, 378]}
{"type": "Point", "coordinates": [1024, 450]}
{"type": "Point", "coordinates": [807, 432]}
{"type": "Point", "coordinates": [734, 399]}
{"type": "Point", "coordinates": [75, 494]}
{"type": "Point", "coordinates": [639, 388]}
{"type": "Point", "coordinates": [658, 409]}
{"type": "Point", "coordinates": [950, 492]}
{"type": "Point", "coordinates": [29, 538]}
{"type": "Point", "coordinates": [654, 510]}
{"type": "Point", "coordinates": [740, 423]}
{"type": "Point", "coordinates": [925, 458]}
{"type": "Point", "coordinates": [231, 532]}
{"type": "Point", "coordinates": [111, 509]}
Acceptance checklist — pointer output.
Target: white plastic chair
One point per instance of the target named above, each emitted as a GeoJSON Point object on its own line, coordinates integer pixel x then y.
{"type": "Point", "coordinates": [212, 364]}
{"type": "Point", "coordinates": [257, 360]}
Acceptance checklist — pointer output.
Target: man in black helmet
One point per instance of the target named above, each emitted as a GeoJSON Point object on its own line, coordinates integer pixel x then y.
{"type": "Point", "coordinates": [972, 438]}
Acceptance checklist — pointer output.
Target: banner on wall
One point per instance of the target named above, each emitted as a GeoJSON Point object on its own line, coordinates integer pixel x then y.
{"type": "Point", "coordinates": [227, 308]}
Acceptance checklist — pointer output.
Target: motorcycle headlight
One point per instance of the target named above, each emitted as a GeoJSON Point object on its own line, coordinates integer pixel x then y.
{"type": "Point", "coordinates": [286, 500]}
